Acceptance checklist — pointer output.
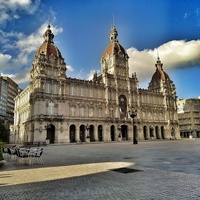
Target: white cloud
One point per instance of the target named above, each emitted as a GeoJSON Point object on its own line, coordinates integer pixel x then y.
{"type": "Point", "coordinates": [70, 68]}
{"type": "Point", "coordinates": [5, 61]}
{"type": "Point", "coordinates": [91, 74]}
{"type": "Point", "coordinates": [24, 45]}
{"type": "Point", "coordinates": [10, 9]}
{"type": "Point", "coordinates": [5, 58]}
{"type": "Point", "coordinates": [174, 54]}
{"type": "Point", "coordinates": [22, 77]}
{"type": "Point", "coordinates": [32, 42]}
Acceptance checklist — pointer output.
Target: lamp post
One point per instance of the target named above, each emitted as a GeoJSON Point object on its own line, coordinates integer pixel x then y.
{"type": "Point", "coordinates": [133, 114]}
{"type": "Point", "coordinates": [47, 126]}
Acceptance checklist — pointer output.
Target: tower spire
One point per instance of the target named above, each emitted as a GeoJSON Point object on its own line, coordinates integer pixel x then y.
{"type": "Point", "coordinates": [158, 63]}
{"type": "Point", "coordinates": [48, 20]}
{"type": "Point", "coordinates": [113, 25]}
{"type": "Point", "coordinates": [48, 35]}
{"type": "Point", "coordinates": [158, 54]}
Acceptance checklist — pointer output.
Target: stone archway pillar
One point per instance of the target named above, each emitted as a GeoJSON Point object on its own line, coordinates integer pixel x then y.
{"type": "Point", "coordinates": [66, 133]}
{"type": "Point", "coordinates": [77, 133]}
{"type": "Point", "coordinates": [106, 133]}
{"type": "Point", "coordinates": [63, 136]}
{"type": "Point", "coordinates": [96, 133]}
{"type": "Point", "coordinates": [158, 135]}
{"type": "Point", "coordinates": [117, 132]}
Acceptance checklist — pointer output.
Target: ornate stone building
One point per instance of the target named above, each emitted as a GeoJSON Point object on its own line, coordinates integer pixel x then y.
{"type": "Point", "coordinates": [63, 109]}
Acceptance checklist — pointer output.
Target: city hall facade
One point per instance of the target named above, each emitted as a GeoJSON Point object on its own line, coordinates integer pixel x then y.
{"type": "Point", "coordinates": [61, 109]}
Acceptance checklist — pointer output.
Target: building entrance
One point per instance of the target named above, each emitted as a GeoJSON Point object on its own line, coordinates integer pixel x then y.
{"type": "Point", "coordinates": [51, 133]}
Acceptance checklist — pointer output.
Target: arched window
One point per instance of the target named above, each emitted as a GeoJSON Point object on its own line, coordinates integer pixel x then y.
{"type": "Point", "coordinates": [122, 106]}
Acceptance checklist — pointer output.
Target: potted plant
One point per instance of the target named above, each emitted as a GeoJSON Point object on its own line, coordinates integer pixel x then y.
{"type": "Point", "coordinates": [2, 161]}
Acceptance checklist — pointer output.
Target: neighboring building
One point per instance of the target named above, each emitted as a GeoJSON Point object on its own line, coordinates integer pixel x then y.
{"type": "Point", "coordinates": [64, 109]}
{"type": "Point", "coordinates": [8, 91]}
{"type": "Point", "coordinates": [189, 117]}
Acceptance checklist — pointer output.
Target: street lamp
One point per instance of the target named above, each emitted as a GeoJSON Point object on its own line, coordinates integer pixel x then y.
{"type": "Point", "coordinates": [47, 126]}
{"type": "Point", "coordinates": [133, 114]}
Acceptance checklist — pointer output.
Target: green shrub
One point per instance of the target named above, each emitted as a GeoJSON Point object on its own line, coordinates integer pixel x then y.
{"type": "Point", "coordinates": [1, 152]}
{"type": "Point", "coordinates": [4, 133]}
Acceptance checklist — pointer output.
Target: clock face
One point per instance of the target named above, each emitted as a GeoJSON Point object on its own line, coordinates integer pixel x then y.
{"type": "Point", "coordinates": [111, 71]}
{"type": "Point", "coordinates": [122, 85]}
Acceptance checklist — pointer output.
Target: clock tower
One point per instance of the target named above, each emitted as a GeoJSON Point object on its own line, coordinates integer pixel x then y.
{"type": "Point", "coordinates": [115, 76]}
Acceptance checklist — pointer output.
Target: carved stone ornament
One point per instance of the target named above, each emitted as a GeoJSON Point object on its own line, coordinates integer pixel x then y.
{"type": "Point", "coordinates": [40, 129]}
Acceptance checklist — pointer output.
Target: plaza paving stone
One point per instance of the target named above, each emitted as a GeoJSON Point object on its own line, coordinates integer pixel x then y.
{"type": "Point", "coordinates": [152, 170]}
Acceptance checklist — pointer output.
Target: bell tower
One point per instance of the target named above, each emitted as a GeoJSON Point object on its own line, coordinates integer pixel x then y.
{"type": "Point", "coordinates": [115, 59]}
{"type": "Point", "coordinates": [115, 76]}
{"type": "Point", "coordinates": [48, 68]}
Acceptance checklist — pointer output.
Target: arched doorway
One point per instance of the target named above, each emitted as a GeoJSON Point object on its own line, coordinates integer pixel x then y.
{"type": "Point", "coordinates": [157, 132]}
{"type": "Point", "coordinates": [82, 133]}
{"type": "Point", "coordinates": [100, 134]}
{"type": "Point", "coordinates": [162, 132]}
{"type": "Point", "coordinates": [51, 133]}
{"type": "Point", "coordinates": [112, 133]}
{"type": "Point", "coordinates": [91, 133]}
{"type": "Point", "coordinates": [145, 133]}
{"type": "Point", "coordinates": [72, 132]}
{"type": "Point", "coordinates": [124, 132]}
{"type": "Point", "coordinates": [151, 131]}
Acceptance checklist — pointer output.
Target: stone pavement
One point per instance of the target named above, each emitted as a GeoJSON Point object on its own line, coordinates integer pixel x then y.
{"type": "Point", "coordinates": [152, 170]}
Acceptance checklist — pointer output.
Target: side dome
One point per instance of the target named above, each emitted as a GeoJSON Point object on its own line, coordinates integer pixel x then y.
{"type": "Point", "coordinates": [48, 48]}
{"type": "Point", "coordinates": [161, 80]}
{"type": "Point", "coordinates": [114, 46]}
{"type": "Point", "coordinates": [159, 74]}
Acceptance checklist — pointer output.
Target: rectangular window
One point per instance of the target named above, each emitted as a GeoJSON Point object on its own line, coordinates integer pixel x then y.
{"type": "Point", "coordinates": [99, 94]}
{"type": "Point", "coordinates": [81, 112]}
{"type": "Point", "coordinates": [81, 91]}
{"type": "Point", "coordinates": [91, 112]}
{"type": "Point", "coordinates": [100, 112]}
{"type": "Point", "coordinates": [48, 87]}
{"type": "Point", "coordinates": [72, 111]}
{"type": "Point", "coordinates": [143, 114]}
{"type": "Point", "coordinates": [72, 91]}
{"type": "Point", "coordinates": [51, 108]}
{"type": "Point", "coordinates": [91, 93]}
{"type": "Point", "coordinates": [55, 89]}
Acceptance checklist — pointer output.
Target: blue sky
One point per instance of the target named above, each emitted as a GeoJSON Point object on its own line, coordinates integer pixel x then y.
{"type": "Point", "coordinates": [81, 27]}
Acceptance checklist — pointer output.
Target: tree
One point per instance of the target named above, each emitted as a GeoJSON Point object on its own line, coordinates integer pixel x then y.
{"type": "Point", "coordinates": [1, 153]}
{"type": "Point", "coordinates": [4, 133]}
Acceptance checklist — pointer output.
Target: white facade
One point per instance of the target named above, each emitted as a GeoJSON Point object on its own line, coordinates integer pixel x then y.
{"type": "Point", "coordinates": [189, 117]}
{"type": "Point", "coordinates": [64, 110]}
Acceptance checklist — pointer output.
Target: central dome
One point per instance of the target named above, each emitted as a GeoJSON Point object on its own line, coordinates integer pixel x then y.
{"type": "Point", "coordinates": [114, 46]}
{"type": "Point", "coordinates": [48, 48]}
